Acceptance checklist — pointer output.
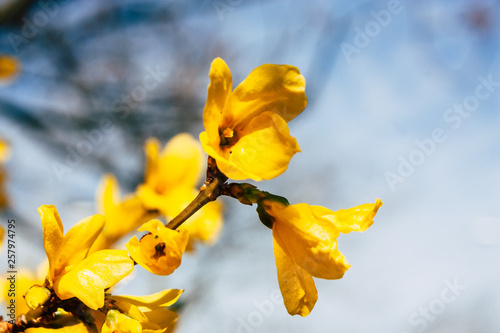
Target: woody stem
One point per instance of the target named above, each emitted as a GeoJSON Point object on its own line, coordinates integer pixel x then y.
{"type": "Point", "coordinates": [209, 192]}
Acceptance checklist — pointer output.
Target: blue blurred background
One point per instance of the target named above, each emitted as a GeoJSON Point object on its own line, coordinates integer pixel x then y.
{"type": "Point", "coordinates": [404, 101]}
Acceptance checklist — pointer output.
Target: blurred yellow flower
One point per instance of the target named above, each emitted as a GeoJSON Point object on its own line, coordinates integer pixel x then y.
{"type": "Point", "coordinates": [180, 163]}
{"type": "Point", "coordinates": [4, 151]}
{"type": "Point", "coordinates": [122, 215]}
{"type": "Point", "coordinates": [9, 67]}
{"type": "Point", "coordinates": [142, 313]}
{"type": "Point", "coordinates": [305, 245]}
{"type": "Point", "coordinates": [160, 251]}
{"type": "Point", "coordinates": [169, 186]}
{"type": "Point", "coordinates": [246, 129]}
{"type": "Point", "coordinates": [205, 225]}
{"type": "Point", "coordinates": [71, 272]}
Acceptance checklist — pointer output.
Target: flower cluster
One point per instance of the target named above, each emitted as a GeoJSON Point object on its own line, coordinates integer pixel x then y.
{"type": "Point", "coordinates": [246, 137]}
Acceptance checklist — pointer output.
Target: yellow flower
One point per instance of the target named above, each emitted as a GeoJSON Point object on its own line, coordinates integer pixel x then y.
{"type": "Point", "coordinates": [142, 313]}
{"type": "Point", "coordinates": [4, 151]}
{"type": "Point", "coordinates": [122, 215]}
{"type": "Point", "coordinates": [305, 245]}
{"type": "Point", "coordinates": [160, 251]}
{"type": "Point", "coordinates": [9, 67]}
{"type": "Point", "coordinates": [246, 129]}
{"type": "Point", "coordinates": [169, 186]}
{"type": "Point", "coordinates": [71, 272]}
{"type": "Point", "coordinates": [180, 163]}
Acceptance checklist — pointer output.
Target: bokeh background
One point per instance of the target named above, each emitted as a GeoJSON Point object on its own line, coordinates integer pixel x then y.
{"type": "Point", "coordinates": [404, 101]}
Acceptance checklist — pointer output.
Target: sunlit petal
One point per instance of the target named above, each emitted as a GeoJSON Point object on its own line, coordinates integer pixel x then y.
{"type": "Point", "coordinates": [296, 285]}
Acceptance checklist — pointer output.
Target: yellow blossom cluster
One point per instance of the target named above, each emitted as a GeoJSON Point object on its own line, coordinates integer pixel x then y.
{"type": "Point", "coordinates": [246, 137]}
{"type": "Point", "coordinates": [246, 132]}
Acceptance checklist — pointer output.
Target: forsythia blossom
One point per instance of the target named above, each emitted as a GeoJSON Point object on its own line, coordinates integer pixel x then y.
{"type": "Point", "coordinates": [122, 215]}
{"type": "Point", "coordinates": [246, 136]}
{"type": "Point", "coordinates": [246, 129]}
{"type": "Point", "coordinates": [160, 251]}
{"type": "Point", "coordinates": [305, 245]}
{"type": "Point", "coordinates": [71, 272]}
{"type": "Point", "coordinates": [169, 186]}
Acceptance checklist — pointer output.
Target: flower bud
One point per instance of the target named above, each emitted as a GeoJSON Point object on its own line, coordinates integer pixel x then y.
{"type": "Point", "coordinates": [36, 296]}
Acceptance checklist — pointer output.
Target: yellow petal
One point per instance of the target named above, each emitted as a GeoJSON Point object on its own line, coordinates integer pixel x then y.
{"type": "Point", "coordinates": [77, 242]}
{"type": "Point", "coordinates": [129, 308]}
{"type": "Point", "coordinates": [310, 241]}
{"type": "Point", "coordinates": [9, 67]}
{"type": "Point", "coordinates": [108, 194]}
{"type": "Point", "coordinates": [221, 156]}
{"type": "Point", "coordinates": [296, 285]}
{"type": "Point", "coordinates": [276, 88]}
{"type": "Point", "coordinates": [163, 298]}
{"type": "Point", "coordinates": [163, 318]}
{"type": "Point", "coordinates": [152, 199]}
{"type": "Point", "coordinates": [181, 162]}
{"type": "Point", "coordinates": [88, 279]}
{"type": "Point", "coordinates": [263, 150]}
{"type": "Point", "coordinates": [119, 322]}
{"type": "Point", "coordinates": [52, 235]}
{"type": "Point", "coordinates": [219, 91]}
{"type": "Point", "coordinates": [358, 218]}
{"type": "Point", "coordinates": [160, 251]}
{"type": "Point", "coordinates": [122, 215]}
{"type": "Point", "coordinates": [152, 152]}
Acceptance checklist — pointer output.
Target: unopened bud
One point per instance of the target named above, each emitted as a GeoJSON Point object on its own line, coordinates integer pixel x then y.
{"type": "Point", "coordinates": [36, 296]}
